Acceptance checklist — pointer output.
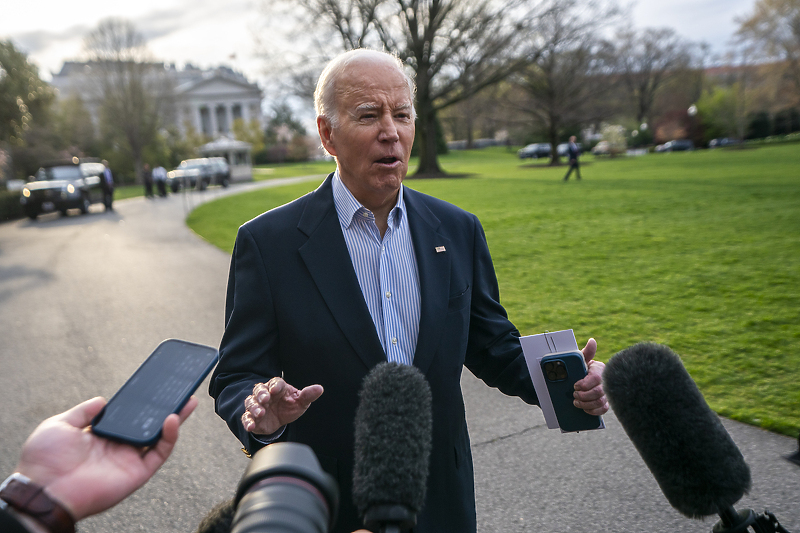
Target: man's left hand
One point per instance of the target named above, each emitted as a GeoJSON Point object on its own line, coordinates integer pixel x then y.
{"type": "Point", "coordinates": [589, 394]}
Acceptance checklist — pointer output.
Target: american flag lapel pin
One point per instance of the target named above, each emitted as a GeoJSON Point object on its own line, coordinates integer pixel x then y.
{"type": "Point", "coordinates": [440, 249]}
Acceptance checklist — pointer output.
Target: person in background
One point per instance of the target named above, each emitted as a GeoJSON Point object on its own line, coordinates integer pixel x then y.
{"type": "Point", "coordinates": [66, 473]}
{"type": "Point", "coordinates": [147, 177]}
{"type": "Point", "coordinates": [573, 152]}
{"type": "Point", "coordinates": [107, 184]}
{"type": "Point", "coordinates": [160, 179]}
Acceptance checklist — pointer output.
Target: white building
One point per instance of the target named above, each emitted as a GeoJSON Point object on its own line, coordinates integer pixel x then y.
{"type": "Point", "coordinates": [210, 100]}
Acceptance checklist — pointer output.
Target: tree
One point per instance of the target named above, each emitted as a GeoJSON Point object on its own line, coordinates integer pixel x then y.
{"type": "Point", "coordinates": [648, 59]}
{"type": "Point", "coordinates": [565, 83]}
{"type": "Point", "coordinates": [774, 27]}
{"type": "Point", "coordinates": [131, 87]}
{"type": "Point", "coordinates": [24, 97]}
{"type": "Point", "coordinates": [455, 48]}
{"type": "Point", "coordinates": [73, 124]}
{"type": "Point", "coordinates": [249, 132]}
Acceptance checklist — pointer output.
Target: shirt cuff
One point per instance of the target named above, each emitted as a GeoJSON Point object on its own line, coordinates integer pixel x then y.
{"type": "Point", "coordinates": [269, 439]}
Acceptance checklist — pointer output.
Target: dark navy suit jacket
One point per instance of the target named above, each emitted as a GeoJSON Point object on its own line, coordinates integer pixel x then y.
{"type": "Point", "coordinates": [294, 308]}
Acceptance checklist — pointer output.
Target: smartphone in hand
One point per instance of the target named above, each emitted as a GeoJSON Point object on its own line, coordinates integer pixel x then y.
{"type": "Point", "coordinates": [160, 386]}
{"type": "Point", "coordinates": [561, 372]}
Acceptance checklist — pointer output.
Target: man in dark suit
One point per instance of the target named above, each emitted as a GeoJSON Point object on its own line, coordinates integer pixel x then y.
{"type": "Point", "coordinates": [359, 271]}
{"type": "Point", "coordinates": [573, 152]}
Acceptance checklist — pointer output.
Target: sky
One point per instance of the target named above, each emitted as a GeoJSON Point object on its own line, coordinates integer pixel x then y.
{"type": "Point", "coordinates": [208, 33]}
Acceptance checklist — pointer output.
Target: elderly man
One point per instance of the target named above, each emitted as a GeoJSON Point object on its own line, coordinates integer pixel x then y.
{"type": "Point", "coordinates": [359, 271]}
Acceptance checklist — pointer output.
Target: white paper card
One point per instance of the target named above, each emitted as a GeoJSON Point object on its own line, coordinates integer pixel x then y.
{"type": "Point", "coordinates": [534, 347]}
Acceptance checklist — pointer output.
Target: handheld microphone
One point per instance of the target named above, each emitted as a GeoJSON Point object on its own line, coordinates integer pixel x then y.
{"type": "Point", "coordinates": [696, 463]}
{"type": "Point", "coordinates": [392, 447]}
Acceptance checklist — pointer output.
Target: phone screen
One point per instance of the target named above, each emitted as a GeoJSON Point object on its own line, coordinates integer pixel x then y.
{"type": "Point", "coordinates": [160, 386]}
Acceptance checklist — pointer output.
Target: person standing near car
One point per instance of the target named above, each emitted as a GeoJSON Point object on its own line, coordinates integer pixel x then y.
{"type": "Point", "coordinates": [573, 152]}
{"type": "Point", "coordinates": [147, 176]}
{"type": "Point", "coordinates": [160, 178]}
{"type": "Point", "coordinates": [108, 186]}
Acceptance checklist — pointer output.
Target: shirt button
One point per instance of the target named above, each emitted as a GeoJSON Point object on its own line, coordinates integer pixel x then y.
{"type": "Point", "coordinates": [394, 340]}
{"type": "Point", "coordinates": [388, 294]}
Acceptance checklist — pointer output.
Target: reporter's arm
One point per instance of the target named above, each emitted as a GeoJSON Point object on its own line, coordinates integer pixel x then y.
{"type": "Point", "coordinates": [88, 474]}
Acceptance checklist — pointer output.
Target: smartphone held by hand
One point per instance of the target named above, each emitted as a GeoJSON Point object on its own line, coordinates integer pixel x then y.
{"type": "Point", "coordinates": [561, 371]}
{"type": "Point", "coordinates": [160, 386]}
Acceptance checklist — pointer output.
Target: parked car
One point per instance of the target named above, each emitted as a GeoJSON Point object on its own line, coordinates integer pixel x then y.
{"type": "Point", "coordinates": [221, 171]}
{"type": "Point", "coordinates": [563, 149]}
{"type": "Point", "coordinates": [199, 173]}
{"type": "Point", "coordinates": [63, 185]}
{"type": "Point", "coordinates": [535, 151]}
{"type": "Point", "coordinates": [678, 145]}
{"type": "Point", "coordinates": [191, 173]}
{"type": "Point", "coordinates": [725, 141]}
{"type": "Point", "coordinates": [602, 148]}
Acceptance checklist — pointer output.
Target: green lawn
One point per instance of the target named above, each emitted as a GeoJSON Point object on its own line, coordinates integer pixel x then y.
{"type": "Point", "coordinates": [699, 251]}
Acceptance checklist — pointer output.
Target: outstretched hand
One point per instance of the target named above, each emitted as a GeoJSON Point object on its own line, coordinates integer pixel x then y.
{"type": "Point", "coordinates": [86, 473]}
{"type": "Point", "coordinates": [589, 394]}
{"type": "Point", "coordinates": [275, 404]}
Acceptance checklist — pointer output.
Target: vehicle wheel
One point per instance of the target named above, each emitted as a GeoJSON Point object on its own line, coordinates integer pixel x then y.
{"type": "Point", "coordinates": [85, 203]}
{"type": "Point", "coordinates": [201, 185]}
{"type": "Point", "coordinates": [174, 186]}
{"type": "Point", "coordinates": [31, 214]}
{"type": "Point", "coordinates": [63, 212]}
{"type": "Point", "coordinates": [225, 183]}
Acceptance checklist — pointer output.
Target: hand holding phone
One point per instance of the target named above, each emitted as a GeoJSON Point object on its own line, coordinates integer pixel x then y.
{"type": "Point", "coordinates": [561, 372]}
{"type": "Point", "coordinates": [160, 386]}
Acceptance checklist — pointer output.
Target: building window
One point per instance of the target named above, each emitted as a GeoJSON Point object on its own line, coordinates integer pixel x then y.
{"type": "Point", "coordinates": [237, 111]}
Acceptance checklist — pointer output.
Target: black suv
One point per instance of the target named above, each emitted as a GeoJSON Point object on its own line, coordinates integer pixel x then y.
{"type": "Point", "coordinates": [63, 185]}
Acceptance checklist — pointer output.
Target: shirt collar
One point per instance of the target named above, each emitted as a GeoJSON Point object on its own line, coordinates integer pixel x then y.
{"type": "Point", "coordinates": [348, 207]}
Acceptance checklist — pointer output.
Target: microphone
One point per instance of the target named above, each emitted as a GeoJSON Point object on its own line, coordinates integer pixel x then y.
{"type": "Point", "coordinates": [392, 447]}
{"type": "Point", "coordinates": [696, 463]}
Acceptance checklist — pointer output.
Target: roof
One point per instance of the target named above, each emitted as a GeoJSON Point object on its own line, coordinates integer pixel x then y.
{"type": "Point", "coordinates": [221, 144]}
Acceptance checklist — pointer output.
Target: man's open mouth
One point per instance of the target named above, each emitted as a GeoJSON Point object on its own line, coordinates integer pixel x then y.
{"type": "Point", "coordinates": [388, 160]}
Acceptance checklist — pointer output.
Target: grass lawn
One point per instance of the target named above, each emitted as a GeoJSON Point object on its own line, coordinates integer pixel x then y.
{"type": "Point", "coordinates": [699, 251]}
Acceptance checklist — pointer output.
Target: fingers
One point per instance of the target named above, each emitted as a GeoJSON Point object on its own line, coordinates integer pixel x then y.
{"type": "Point", "coordinates": [589, 350]}
{"type": "Point", "coordinates": [309, 395]}
{"type": "Point", "coordinates": [188, 409]}
{"type": "Point", "coordinates": [82, 414]}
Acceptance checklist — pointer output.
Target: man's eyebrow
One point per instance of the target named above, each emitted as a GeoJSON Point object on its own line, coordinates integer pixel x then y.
{"type": "Point", "coordinates": [367, 107]}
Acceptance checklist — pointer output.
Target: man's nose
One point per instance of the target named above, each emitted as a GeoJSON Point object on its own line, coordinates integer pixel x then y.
{"type": "Point", "coordinates": [388, 131]}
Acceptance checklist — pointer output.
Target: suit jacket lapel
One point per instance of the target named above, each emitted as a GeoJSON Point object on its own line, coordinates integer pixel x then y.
{"type": "Point", "coordinates": [434, 276]}
{"type": "Point", "coordinates": [327, 259]}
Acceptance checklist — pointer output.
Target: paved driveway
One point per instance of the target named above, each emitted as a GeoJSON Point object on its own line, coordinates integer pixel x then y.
{"type": "Point", "coordinates": [84, 299]}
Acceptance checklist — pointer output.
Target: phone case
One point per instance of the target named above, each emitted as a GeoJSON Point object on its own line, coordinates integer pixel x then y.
{"type": "Point", "coordinates": [561, 371]}
{"type": "Point", "coordinates": [161, 385]}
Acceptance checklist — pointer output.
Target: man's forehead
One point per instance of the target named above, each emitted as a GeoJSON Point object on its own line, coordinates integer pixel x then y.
{"type": "Point", "coordinates": [372, 96]}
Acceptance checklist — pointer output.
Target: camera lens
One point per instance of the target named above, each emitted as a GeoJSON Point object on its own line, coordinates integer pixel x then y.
{"type": "Point", "coordinates": [285, 490]}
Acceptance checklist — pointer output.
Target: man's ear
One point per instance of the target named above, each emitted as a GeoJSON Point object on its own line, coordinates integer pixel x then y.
{"type": "Point", "coordinates": [325, 132]}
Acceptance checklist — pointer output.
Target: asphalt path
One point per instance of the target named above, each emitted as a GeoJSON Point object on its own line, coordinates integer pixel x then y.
{"type": "Point", "coordinates": [84, 299]}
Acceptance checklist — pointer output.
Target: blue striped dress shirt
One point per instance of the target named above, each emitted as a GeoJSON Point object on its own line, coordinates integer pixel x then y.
{"type": "Point", "coordinates": [386, 270]}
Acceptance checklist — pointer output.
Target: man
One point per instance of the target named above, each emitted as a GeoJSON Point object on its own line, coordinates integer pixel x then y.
{"type": "Point", "coordinates": [359, 271]}
{"type": "Point", "coordinates": [160, 177]}
{"type": "Point", "coordinates": [107, 185]}
{"type": "Point", "coordinates": [573, 152]}
{"type": "Point", "coordinates": [147, 177]}
{"type": "Point", "coordinates": [66, 473]}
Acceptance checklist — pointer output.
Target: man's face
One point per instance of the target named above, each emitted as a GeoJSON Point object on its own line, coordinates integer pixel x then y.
{"type": "Point", "coordinates": [372, 142]}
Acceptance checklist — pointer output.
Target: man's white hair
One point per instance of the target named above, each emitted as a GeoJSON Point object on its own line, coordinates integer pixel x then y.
{"type": "Point", "coordinates": [325, 92]}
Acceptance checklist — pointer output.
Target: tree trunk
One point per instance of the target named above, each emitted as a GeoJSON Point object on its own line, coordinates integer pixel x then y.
{"type": "Point", "coordinates": [428, 158]}
{"type": "Point", "coordinates": [553, 138]}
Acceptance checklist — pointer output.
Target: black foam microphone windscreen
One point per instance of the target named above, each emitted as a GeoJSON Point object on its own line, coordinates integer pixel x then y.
{"type": "Point", "coordinates": [392, 438]}
{"type": "Point", "coordinates": [696, 463]}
